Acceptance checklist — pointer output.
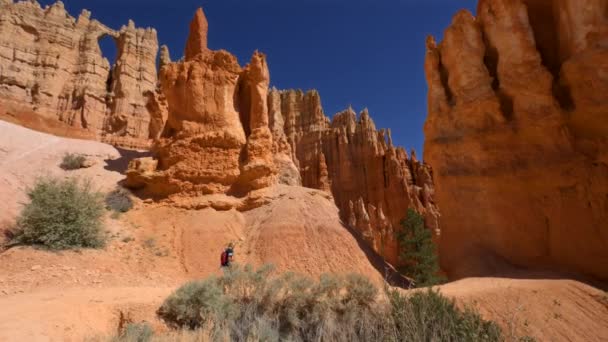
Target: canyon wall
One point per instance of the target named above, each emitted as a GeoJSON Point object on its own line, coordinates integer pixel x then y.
{"type": "Point", "coordinates": [517, 134]}
{"type": "Point", "coordinates": [52, 68]}
{"type": "Point", "coordinates": [372, 181]}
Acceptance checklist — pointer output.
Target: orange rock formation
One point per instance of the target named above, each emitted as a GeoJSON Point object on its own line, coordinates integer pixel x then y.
{"type": "Point", "coordinates": [217, 138]}
{"type": "Point", "coordinates": [258, 170]}
{"type": "Point", "coordinates": [372, 181]}
{"type": "Point", "coordinates": [517, 134]}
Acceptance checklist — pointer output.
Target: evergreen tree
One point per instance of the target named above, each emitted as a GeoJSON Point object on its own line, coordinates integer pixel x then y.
{"type": "Point", "coordinates": [418, 254]}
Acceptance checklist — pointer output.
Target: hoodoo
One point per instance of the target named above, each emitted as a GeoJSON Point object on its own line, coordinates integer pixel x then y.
{"type": "Point", "coordinates": [217, 138]}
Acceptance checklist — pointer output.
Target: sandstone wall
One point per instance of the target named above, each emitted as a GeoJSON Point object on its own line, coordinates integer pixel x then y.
{"type": "Point", "coordinates": [517, 134]}
{"type": "Point", "coordinates": [372, 181]}
{"type": "Point", "coordinates": [51, 64]}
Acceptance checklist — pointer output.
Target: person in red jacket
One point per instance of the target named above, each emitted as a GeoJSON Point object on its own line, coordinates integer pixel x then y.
{"type": "Point", "coordinates": [227, 255]}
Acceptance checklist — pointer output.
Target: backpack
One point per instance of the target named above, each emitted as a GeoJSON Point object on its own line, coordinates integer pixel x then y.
{"type": "Point", "coordinates": [224, 258]}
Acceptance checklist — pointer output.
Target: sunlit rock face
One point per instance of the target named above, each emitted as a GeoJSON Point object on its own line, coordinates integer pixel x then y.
{"type": "Point", "coordinates": [372, 181]}
{"type": "Point", "coordinates": [51, 67]}
{"type": "Point", "coordinates": [216, 136]}
{"type": "Point", "coordinates": [517, 134]}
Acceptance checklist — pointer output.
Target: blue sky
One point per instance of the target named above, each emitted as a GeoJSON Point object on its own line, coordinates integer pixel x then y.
{"type": "Point", "coordinates": [364, 53]}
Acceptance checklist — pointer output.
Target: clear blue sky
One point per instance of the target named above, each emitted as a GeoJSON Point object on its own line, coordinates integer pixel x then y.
{"type": "Point", "coordinates": [364, 53]}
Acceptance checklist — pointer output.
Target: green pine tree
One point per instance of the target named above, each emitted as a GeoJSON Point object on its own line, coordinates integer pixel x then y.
{"type": "Point", "coordinates": [418, 255]}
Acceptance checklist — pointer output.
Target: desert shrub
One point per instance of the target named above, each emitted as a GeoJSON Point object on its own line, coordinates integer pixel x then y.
{"type": "Point", "coordinates": [61, 214]}
{"type": "Point", "coordinates": [135, 332]}
{"type": "Point", "coordinates": [429, 316]}
{"type": "Point", "coordinates": [119, 200]}
{"type": "Point", "coordinates": [418, 255]}
{"type": "Point", "coordinates": [72, 161]}
{"type": "Point", "coordinates": [246, 304]}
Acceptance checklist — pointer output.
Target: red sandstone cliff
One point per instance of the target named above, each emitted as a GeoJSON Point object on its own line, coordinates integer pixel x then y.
{"type": "Point", "coordinates": [517, 134]}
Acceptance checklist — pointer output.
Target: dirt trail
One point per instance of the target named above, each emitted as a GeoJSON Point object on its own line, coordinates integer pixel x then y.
{"type": "Point", "coordinates": [57, 314]}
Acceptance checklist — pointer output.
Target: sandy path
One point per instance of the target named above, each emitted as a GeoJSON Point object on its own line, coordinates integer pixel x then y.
{"type": "Point", "coordinates": [549, 310]}
{"type": "Point", "coordinates": [57, 314]}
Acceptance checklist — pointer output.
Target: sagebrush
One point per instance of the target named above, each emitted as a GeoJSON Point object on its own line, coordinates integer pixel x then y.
{"type": "Point", "coordinates": [72, 161]}
{"type": "Point", "coordinates": [61, 214]}
{"type": "Point", "coordinates": [135, 332]}
{"type": "Point", "coordinates": [119, 200]}
{"type": "Point", "coordinates": [426, 315]}
{"type": "Point", "coordinates": [250, 305]}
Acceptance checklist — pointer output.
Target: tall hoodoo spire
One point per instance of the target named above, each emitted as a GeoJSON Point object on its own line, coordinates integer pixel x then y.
{"type": "Point", "coordinates": [197, 41]}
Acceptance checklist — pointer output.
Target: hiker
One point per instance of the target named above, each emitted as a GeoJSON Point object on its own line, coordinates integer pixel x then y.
{"type": "Point", "coordinates": [227, 255]}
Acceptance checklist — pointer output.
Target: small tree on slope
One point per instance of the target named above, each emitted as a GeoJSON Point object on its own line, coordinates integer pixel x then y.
{"type": "Point", "coordinates": [418, 253]}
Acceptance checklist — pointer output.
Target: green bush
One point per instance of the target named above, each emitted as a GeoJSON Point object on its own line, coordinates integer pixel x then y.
{"type": "Point", "coordinates": [72, 161]}
{"type": "Point", "coordinates": [249, 305]}
{"type": "Point", "coordinates": [418, 256]}
{"type": "Point", "coordinates": [119, 200]}
{"type": "Point", "coordinates": [62, 214]}
{"type": "Point", "coordinates": [429, 316]}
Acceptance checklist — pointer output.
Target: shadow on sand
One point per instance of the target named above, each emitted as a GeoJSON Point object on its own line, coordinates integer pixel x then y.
{"type": "Point", "coordinates": [485, 263]}
{"type": "Point", "coordinates": [121, 164]}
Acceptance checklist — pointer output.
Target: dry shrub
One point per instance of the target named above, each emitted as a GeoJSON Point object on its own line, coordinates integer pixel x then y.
{"type": "Point", "coordinates": [250, 305]}
{"type": "Point", "coordinates": [119, 200]}
{"type": "Point", "coordinates": [135, 332]}
{"type": "Point", "coordinates": [429, 316]}
{"type": "Point", "coordinates": [72, 161]}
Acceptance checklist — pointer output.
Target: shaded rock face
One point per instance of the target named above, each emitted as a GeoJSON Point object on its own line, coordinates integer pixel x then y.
{"type": "Point", "coordinates": [51, 64]}
{"type": "Point", "coordinates": [373, 182]}
{"type": "Point", "coordinates": [216, 136]}
{"type": "Point", "coordinates": [517, 134]}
